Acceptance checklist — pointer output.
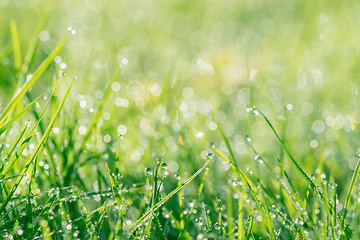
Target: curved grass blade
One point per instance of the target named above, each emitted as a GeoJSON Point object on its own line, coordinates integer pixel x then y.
{"type": "Point", "coordinates": [351, 189]}
{"type": "Point", "coordinates": [227, 144]}
{"type": "Point", "coordinates": [162, 201]}
{"type": "Point", "coordinates": [13, 119]}
{"type": "Point", "coordinates": [119, 202]}
{"type": "Point", "coordinates": [46, 208]}
{"type": "Point", "coordinates": [34, 42]}
{"type": "Point", "coordinates": [15, 45]}
{"type": "Point", "coordinates": [16, 99]}
{"type": "Point", "coordinates": [27, 139]}
{"type": "Point", "coordinates": [14, 146]}
{"type": "Point", "coordinates": [31, 159]}
{"type": "Point", "coordinates": [307, 178]}
{"type": "Point", "coordinates": [235, 168]}
{"type": "Point", "coordinates": [201, 186]}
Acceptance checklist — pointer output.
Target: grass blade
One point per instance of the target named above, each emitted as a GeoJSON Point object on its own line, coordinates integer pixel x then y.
{"type": "Point", "coordinates": [15, 45]}
{"type": "Point", "coordinates": [13, 119]}
{"type": "Point", "coordinates": [162, 201]}
{"type": "Point", "coordinates": [227, 144]}
{"type": "Point", "coordinates": [351, 189]}
{"type": "Point", "coordinates": [30, 160]}
{"type": "Point", "coordinates": [119, 202]}
{"type": "Point", "coordinates": [16, 99]}
{"type": "Point", "coordinates": [201, 186]}
{"type": "Point", "coordinates": [27, 139]}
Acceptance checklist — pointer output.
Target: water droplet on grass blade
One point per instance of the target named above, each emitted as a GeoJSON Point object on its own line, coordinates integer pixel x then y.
{"type": "Point", "coordinates": [332, 185]}
{"type": "Point", "coordinates": [247, 139]}
{"type": "Point", "coordinates": [163, 166]}
{"type": "Point", "coordinates": [210, 156]}
{"type": "Point", "coordinates": [177, 176]}
{"type": "Point", "coordinates": [148, 172]}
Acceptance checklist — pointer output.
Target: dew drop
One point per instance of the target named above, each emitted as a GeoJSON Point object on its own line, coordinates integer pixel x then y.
{"type": "Point", "coordinates": [247, 139]}
{"type": "Point", "coordinates": [332, 185]}
{"type": "Point", "coordinates": [163, 166]}
{"type": "Point", "coordinates": [210, 156]}
{"type": "Point", "coordinates": [254, 111]}
{"type": "Point", "coordinates": [148, 172]}
{"type": "Point", "coordinates": [177, 176]}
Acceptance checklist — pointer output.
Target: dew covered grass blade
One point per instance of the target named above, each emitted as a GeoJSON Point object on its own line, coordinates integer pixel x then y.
{"type": "Point", "coordinates": [31, 159]}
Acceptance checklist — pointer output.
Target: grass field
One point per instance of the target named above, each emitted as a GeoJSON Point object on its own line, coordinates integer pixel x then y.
{"type": "Point", "coordinates": [183, 119]}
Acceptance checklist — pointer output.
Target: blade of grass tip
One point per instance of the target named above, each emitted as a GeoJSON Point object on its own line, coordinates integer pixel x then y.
{"type": "Point", "coordinates": [121, 210]}
{"type": "Point", "coordinates": [30, 160]}
{"type": "Point", "coordinates": [145, 216]}
{"type": "Point", "coordinates": [27, 139]}
{"type": "Point", "coordinates": [227, 144]}
{"type": "Point", "coordinates": [249, 230]}
{"type": "Point", "coordinates": [154, 198]}
{"type": "Point", "coordinates": [15, 45]}
{"type": "Point", "coordinates": [201, 186]}
{"type": "Point", "coordinates": [16, 99]}
{"type": "Point", "coordinates": [101, 219]}
{"type": "Point", "coordinates": [19, 114]}
{"type": "Point", "coordinates": [34, 41]}
{"type": "Point", "coordinates": [351, 189]}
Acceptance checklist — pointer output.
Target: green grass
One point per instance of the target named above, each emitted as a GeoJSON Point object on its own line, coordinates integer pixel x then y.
{"type": "Point", "coordinates": [187, 119]}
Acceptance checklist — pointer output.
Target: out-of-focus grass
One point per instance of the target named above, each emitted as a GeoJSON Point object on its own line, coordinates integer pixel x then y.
{"type": "Point", "coordinates": [176, 69]}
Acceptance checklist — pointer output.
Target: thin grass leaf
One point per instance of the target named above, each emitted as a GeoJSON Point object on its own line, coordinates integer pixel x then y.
{"type": "Point", "coordinates": [351, 189]}
{"type": "Point", "coordinates": [229, 211]}
{"type": "Point", "coordinates": [17, 140]}
{"type": "Point", "coordinates": [29, 218]}
{"type": "Point", "coordinates": [226, 141]}
{"type": "Point", "coordinates": [235, 168]}
{"type": "Point", "coordinates": [185, 233]}
{"type": "Point", "coordinates": [27, 139]}
{"type": "Point", "coordinates": [34, 42]}
{"type": "Point", "coordinates": [19, 114]}
{"type": "Point", "coordinates": [16, 99]}
{"type": "Point", "coordinates": [119, 202]}
{"type": "Point", "coordinates": [201, 186]}
{"type": "Point", "coordinates": [15, 45]}
{"type": "Point", "coordinates": [117, 160]}
{"type": "Point", "coordinates": [241, 233]}
{"type": "Point", "coordinates": [334, 216]}
{"type": "Point", "coordinates": [49, 204]}
{"type": "Point", "coordinates": [30, 160]}
{"type": "Point", "coordinates": [146, 215]}
{"type": "Point", "coordinates": [154, 198]}
{"type": "Point", "coordinates": [346, 228]}
{"type": "Point", "coordinates": [249, 230]}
